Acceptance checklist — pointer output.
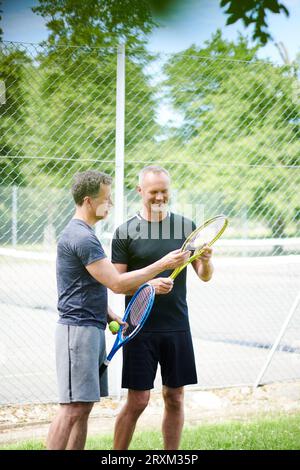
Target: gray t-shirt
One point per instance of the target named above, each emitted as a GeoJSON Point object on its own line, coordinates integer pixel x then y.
{"type": "Point", "coordinates": [81, 299]}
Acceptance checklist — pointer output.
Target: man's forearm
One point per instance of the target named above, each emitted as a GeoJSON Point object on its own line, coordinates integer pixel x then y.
{"type": "Point", "coordinates": [129, 282]}
{"type": "Point", "coordinates": [205, 271]}
{"type": "Point", "coordinates": [110, 314]}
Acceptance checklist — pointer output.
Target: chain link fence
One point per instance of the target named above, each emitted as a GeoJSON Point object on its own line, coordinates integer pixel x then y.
{"type": "Point", "coordinates": [228, 132]}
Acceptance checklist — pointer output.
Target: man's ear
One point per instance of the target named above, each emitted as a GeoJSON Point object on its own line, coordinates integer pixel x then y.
{"type": "Point", "coordinates": [86, 200]}
{"type": "Point", "coordinates": [139, 189]}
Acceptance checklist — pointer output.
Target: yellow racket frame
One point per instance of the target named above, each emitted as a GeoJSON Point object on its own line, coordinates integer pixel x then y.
{"type": "Point", "coordinates": [211, 242]}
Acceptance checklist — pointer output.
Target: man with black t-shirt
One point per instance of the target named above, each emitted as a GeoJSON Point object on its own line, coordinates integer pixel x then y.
{"type": "Point", "coordinates": [166, 337]}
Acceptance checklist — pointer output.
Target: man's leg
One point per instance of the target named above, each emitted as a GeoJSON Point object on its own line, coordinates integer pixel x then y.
{"type": "Point", "coordinates": [173, 417]}
{"type": "Point", "coordinates": [126, 420]}
{"type": "Point", "coordinates": [69, 428]}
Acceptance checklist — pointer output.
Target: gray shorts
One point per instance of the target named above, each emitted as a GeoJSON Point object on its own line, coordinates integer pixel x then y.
{"type": "Point", "coordinates": [80, 350]}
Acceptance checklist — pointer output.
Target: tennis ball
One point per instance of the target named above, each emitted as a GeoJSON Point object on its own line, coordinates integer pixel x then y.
{"type": "Point", "coordinates": [114, 326]}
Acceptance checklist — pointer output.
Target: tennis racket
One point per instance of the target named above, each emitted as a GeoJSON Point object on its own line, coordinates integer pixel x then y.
{"type": "Point", "coordinates": [206, 234]}
{"type": "Point", "coordinates": [136, 314]}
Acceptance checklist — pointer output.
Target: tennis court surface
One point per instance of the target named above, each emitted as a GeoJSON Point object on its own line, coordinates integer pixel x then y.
{"type": "Point", "coordinates": [235, 319]}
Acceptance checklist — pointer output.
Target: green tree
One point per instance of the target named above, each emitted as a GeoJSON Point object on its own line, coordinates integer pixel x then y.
{"type": "Point", "coordinates": [251, 12]}
{"type": "Point", "coordinates": [239, 112]}
{"type": "Point", "coordinates": [79, 67]}
{"type": "Point", "coordinates": [68, 88]}
{"type": "Point", "coordinates": [96, 23]}
{"type": "Point", "coordinates": [13, 113]}
{"type": "Point", "coordinates": [72, 110]}
{"type": "Point", "coordinates": [99, 21]}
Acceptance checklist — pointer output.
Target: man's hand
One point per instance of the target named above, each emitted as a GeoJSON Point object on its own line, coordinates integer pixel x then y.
{"type": "Point", "coordinates": [174, 259]}
{"type": "Point", "coordinates": [162, 285]}
{"type": "Point", "coordinates": [111, 316]}
{"type": "Point", "coordinates": [207, 254]}
{"type": "Point", "coordinates": [203, 265]}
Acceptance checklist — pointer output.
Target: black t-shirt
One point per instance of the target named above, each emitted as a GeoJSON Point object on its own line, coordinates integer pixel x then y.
{"type": "Point", "coordinates": [81, 299]}
{"type": "Point", "coordinates": [139, 243]}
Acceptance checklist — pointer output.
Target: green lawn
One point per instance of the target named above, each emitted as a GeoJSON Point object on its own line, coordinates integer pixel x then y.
{"type": "Point", "coordinates": [280, 433]}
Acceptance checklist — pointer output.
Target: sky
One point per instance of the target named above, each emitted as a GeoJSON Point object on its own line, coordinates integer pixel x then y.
{"type": "Point", "coordinates": [193, 22]}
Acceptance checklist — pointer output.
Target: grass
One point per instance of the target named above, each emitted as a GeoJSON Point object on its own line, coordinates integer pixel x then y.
{"type": "Point", "coordinates": [281, 433]}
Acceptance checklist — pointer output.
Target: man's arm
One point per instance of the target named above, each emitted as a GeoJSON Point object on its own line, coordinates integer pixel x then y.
{"type": "Point", "coordinates": [162, 285]}
{"type": "Point", "coordinates": [122, 268]}
{"type": "Point", "coordinates": [107, 274]}
{"type": "Point", "coordinates": [203, 266]}
{"type": "Point", "coordinates": [111, 316]}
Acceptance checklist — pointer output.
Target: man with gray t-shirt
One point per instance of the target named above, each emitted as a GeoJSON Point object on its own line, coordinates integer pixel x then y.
{"type": "Point", "coordinates": [83, 275]}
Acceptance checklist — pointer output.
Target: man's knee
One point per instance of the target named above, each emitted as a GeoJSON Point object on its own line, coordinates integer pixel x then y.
{"type": "Point", "coordinates": [138, 401]}
{"type": "Point", "coordinates": [76, 411]}
{"type": "Point", "coordinates": [173, 397]}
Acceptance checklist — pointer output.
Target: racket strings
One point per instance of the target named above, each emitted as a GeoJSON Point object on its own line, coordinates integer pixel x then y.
{"type": "Point", "coordinates": [205, 235]}
{"type": "Point", "coordinates": [137, 310]}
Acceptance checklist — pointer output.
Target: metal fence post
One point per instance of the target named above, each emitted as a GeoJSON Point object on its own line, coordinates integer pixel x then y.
{"type": "Point", "coordinates": [278, 339]}
{"type": "Point", "coordinates": [120, 129]}
{"type": "Point", "coordinates": [118, 301]}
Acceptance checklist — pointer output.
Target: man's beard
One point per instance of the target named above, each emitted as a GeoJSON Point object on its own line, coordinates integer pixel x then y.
{"type": "Point", "coordinates": [161, 207]}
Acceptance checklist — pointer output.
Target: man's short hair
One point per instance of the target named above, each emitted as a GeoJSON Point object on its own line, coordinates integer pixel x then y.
{"type": "Point", "coordinates": [152, 169]}
{"type": "Point", "coordinates": [87, 183]}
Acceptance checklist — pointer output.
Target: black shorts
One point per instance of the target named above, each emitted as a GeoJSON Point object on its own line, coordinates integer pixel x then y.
{"type": "Point", "coordinates": [173, 350]}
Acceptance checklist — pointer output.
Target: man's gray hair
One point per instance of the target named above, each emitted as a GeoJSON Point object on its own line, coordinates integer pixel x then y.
{"type": "Point", "coordinates": [152, 169]}
{"type": "Point", "coordinates": [88, 183]}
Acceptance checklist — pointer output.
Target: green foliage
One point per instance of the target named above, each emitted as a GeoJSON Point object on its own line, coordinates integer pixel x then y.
{"type": "Point", "coordinates": [237, 144]}
{"type": "Point", "coordinates": [76, 112]}
{"type": "Point", "coordinates": [104, 22]}
{"type": "Point", "coordinates": [96, 23]}
{"type": "Point", "coordinates": [239, 112]}
{"type": "Point", "coordinates": [253, 12]}
{"type": "Point", "coordinates": [62, 98]}
{"type": "Point", "coordinates": [13, 112]}
{"type": "Point", "coordinates": [67, 112]}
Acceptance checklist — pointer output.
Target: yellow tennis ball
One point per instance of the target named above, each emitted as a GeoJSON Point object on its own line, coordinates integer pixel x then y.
{"type": "Point", "coordinates": [114, 326]}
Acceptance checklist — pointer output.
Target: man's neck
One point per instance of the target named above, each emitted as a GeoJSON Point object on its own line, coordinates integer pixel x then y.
{"type": "Point", "coordinates": [151, 216]}
{"type": "Point", "coordinates": [80, 215]}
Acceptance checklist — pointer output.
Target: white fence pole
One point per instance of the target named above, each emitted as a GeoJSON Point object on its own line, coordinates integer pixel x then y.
{"type": "Point", "coordinates": [120, 130]}
{"type": "Point", "coordinates": [118, 300]}
{"type": "Point", "coordinates": [275, 345]}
